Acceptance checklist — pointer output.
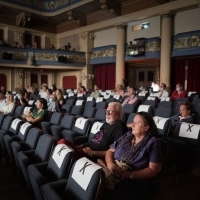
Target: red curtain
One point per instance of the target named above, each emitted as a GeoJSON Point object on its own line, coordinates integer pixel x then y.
{"type": "Point", "coordinates": [105, 76]}
{"type": "Point", "coordinates": [44, 79]}
{"type": "Point", "coordinates": [69, 82]}
{"type": "Point", "coordinates": [193, 74]}
{"type": "Point", "coordinates": [3, 80]}
{"type": "Point", "coordinates": [37, 39]}
{"type": "Point", "coordinates": [178, 72]}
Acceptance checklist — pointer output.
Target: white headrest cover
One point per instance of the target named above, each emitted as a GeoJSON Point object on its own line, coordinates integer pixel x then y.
{"type": "Point", "coordinates": [79, 95]}
{"type": "Point", "coordinates": [80, 122]}
{"type": "Point", "coordinates": [160, 121]}
{"type": "Point", "coordinates": [96, 127]}
{"type": "Point", "coordinates": [59, 153]}
{"type": "Point", "coordinates": [83, 172]}
{"type": "Point", "coordinates": [24, 127]}
{"type": "Point", "coordinates": [116, 96]}
{"type": "Point", "coordinates": [30, 102]}
{"type": "Point", "coordinates": [165, 99]}
{"type": "Point", "coordinates": [99, 99]}
{"type": "Point", "coordinates": [15, 123]}
{"type": "Point", "coordinates": [79, 102]}
{"type": "Point", "coordinates": [89, 98]}
{"type": "Point", "coordinates": [151, 98]}
{"type": "Point", "coordinates": [143, 108]}
{"type": "Point", "coordinates": [189, 130]}
{"type": "Point", "coordinates": [27, 109]}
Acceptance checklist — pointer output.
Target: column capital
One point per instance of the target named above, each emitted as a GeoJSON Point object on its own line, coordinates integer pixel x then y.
{"type": "Point", "coordinates": [121, 26]}
{"type": "Point", "coordinates": [166, 14]}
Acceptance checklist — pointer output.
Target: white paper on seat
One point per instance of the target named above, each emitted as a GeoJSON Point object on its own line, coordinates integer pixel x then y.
{"type": "Point", "coordinates": [99, 99]}
{"type": "Point", "coordinates": [83, 172]}
{"type": "Point", "coordinates": [79, 95]}
{"type": "Point", "coordinates": [151, 98]}
{"type": "Point", "coordinates": [69, 90]}
{"type": "Point", "coordinates": [71, 94]}
{"type": "Point", "coordinates": [143, 108]}
{"type": "Point", "coordinates": [75, 91]}
{"type": "Point", "coordinates": [103, 93]}
{"type": "Point", "coordinates": [79, 102]}
{"type": "Point", "coordinates": [15, 96]}
{"type": "Point", "coordinates": [154, 94]}
{"type": "Point", "coordinates": [165, 99]}
{"type": "Point", "coordinates": [89, 98]}
{"type": "Point", "coordinates": [141, 94]}
{"type": "Point", "coordinates": [14, 92]}
{"type": "Point", "coordinates": [30, 102]}
{"type": "Point", "coordinates": [189, 130]}
{"type": "Point", "coordinates": [160, 121]}
{"type": "Point", "coordinates": [24, 127]}
{"type": "Point", "coordinates": [15, 123]}
{"type": "Point", "coordinates": [106, 96]}
{"type": "Point", "coordinates": [96, 127]}
{"type": "Point", "coordinates": [116, 96]}
{"type": "Point", "coordinates": [80, 122]}
{"type": "Point", "coordinates": [65, 96]}
{"type": "Point", "coordinates": [191, 92]}
{"type": "Point", "coordinates": [27, 109]}
{"type": "Point", "coordinates": [59, 154]}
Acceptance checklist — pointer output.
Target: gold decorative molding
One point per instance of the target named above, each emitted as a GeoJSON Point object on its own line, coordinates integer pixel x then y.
{"type": "Point", "coordinates": [17, 55]}
{"type": "Point", "coordinates": [152, 46]}
{"type": "Point", "coordinates": [104, 53]}
{"type": "Point", "coordinates": [187, 42]}
{"type": "Point", "coordinates": [46, 56]}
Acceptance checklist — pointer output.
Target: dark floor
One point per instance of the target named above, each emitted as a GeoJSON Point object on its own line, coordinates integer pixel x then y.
{"type": "Point", "coordinates": [188, 189]}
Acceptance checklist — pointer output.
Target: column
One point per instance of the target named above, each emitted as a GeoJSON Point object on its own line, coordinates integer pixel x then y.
{"type": "Point", "coordinates": [120, 63]}
{"type": "Point", "coordinates": [166, 49]}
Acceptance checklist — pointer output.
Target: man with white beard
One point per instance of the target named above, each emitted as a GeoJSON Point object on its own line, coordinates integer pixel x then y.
{"type": "Point", "coordinates": [109, 132]}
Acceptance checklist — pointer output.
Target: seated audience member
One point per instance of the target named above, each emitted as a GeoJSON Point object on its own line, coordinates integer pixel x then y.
{"type": "Point", "coordinates": [154, 87]}
{"type": "Point", "coordinates": [20, 100]}
{"type": "Point", "coordinates": [53, 104]}
{"type": "Point", "coordinates": [79, 87]}
{"type": "Point", "coordinates": [120, 90]}
{"type": "Point", "coordinates": [163, 92]}
{"type": "Point", "coordinates": [132, 159]}
{"type": "Point", "coordinates": [35, 46]}
{"type": "Point", "coordinates": [2, 100]}
{"type": "Point", "coordinates": [110, 131]}
{"type": "Point", "coordinates": [22, 89]}
{"type": "Point", "coordinates": [60, 98]}
{"type": "Point", "coordinates": [96, 92]}
{"type": "Point", "coordinates": [52, 47]}
{"type": "Point", "coordinates": [49, 93]}
{"type": "Point", "coordinates": [126, 93]}
{"type": "Point", "coordinates": [9, 105]}
{"type": "Point", "coordinates": [132, 99]}
{"type": "Point", "coordinates": [43, 92]}
{"type": "Point", "coordinates": [185, 115]}
{"type": "Point", "coordinates": [33, 95]}
{"type": "Point", "coordinates": [39, 113]}
{"type": "Point", "coordinates": [82, 90]}
{"type": "Point", "coordinates": [16, 44]}
{"type": "Point", "coordinates": [178, 93]}
{"type": "Point", "coordinates": [3, 90]}
{"type": "Point", "coordinates": [63, 90]}
{"type": "Point", "coordinates": [26, 96]}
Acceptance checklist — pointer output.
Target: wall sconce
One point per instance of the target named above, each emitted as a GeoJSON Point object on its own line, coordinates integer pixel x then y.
{"type": "Point", "coordinates": [90, 76]}
{"type": "Point", "coordinates": [20, 75]}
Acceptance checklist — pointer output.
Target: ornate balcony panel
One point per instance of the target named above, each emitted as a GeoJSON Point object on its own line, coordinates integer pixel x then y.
{"type": "Point", "coordinates": [187, 43]}
{"type": "Point", "coordinates": [41, 56]}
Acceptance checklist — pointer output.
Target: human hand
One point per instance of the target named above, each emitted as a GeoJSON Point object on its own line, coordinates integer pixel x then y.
{"type": "Point", "coordinates": [88, 151]}
{"type": "Point", "coordinates": [114, 168]}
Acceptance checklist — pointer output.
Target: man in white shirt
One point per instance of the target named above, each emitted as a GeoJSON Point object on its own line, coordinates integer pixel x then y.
{"type": "Point", "coordinates": [2, 100]}
{"type": "Point", "coordinates": [163, 92]}
{"type": "Point", "coordinates": [43, 93]}
{"type": "Point", "coordinates": [154, 87]}
{"type": "Point", "coordinates": [96, 93]}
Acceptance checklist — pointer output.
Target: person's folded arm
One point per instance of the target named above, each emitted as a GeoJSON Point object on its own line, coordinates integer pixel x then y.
{"type": "Point", "coordinates": [152, 170]}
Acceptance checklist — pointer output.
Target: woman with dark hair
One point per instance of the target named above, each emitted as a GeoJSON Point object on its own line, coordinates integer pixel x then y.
{"type": "Point", "coordinates": [82, 90]}
{"type": "Point", "coordinates": [132, 98]}
{"type": "Point", "coordinates": [39, 114]}
{"type": "Point", "coordinates": [60, 98]}
{"type": "Point", "coordinates": [135, 156]}
{"type": "Point", "coordinates": [178, 93]}
{"type": "Point", "coordinates": [184, 115]}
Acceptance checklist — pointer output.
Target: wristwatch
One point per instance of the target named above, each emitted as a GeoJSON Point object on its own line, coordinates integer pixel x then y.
{"type": "Point", "coordinates": [131, 176]}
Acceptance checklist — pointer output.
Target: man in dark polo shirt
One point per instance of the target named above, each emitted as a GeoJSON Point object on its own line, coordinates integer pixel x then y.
{"type": "Point", "coordinates": [110, 131]}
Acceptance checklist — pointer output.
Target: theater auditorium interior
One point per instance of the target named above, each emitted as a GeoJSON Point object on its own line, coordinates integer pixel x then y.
{"type": "Point", "coordinates": [72, 71]}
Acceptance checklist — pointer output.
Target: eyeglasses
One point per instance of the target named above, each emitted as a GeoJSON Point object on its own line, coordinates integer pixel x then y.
{"type": "Point", "coordinates": [109, 112]}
